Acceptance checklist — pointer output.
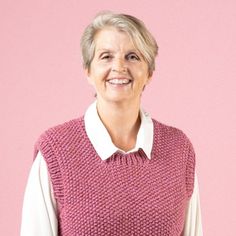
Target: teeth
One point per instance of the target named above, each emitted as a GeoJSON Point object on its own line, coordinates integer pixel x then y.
{"type": "Point", "coordinates": [119, 81]}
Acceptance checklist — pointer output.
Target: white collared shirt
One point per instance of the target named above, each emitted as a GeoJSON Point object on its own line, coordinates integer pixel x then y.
{"type": "Point", "coordinates": [101, 136]}
{"type": "Point", "coordinates": [39, 213]}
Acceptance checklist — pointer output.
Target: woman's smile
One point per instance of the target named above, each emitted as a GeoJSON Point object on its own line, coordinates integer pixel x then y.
{"type": "Point", "coordinates": [119, 81]}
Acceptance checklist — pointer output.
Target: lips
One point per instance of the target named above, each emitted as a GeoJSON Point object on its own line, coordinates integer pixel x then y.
{"type": "Point", "coordinates": [119, 81]}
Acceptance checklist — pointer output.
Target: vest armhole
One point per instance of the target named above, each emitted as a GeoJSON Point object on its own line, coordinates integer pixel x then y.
{"type": "Point", "coordinates": [190, 170]}
{"type": "Point", "coordinates": [47, 147]}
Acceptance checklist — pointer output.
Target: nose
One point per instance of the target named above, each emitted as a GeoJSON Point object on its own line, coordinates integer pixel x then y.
{"type": "Point", "coordinates": [119, 65]}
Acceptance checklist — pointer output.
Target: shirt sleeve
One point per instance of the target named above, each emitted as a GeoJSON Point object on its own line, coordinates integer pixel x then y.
{"type": "Point", "coordinates": [193, 222]}
{"type": "Point", "coordinates": [39, 213]}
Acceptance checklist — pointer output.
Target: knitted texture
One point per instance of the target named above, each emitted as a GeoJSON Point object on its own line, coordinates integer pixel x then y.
{"type": "Point", "coordinates": [125, 195]}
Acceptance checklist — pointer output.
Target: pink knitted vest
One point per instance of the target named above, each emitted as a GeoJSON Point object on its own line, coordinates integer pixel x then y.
{"type": "Point", "coordinates": [127, 194]}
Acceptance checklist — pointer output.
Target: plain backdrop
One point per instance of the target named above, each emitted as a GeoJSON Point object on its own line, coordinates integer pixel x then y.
{"type": "Point", "coordinates": [42, 84]}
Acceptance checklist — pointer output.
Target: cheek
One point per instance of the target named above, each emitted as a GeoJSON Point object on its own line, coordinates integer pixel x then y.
{"type": "Point", "coordinates": [98, 72]}
{"type": "Point", "coordinates": [142, 75]}
{"type": "Point", "coordinates": [140, 70]}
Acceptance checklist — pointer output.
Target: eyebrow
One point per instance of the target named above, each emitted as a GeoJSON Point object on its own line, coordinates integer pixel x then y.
{"type": "Point", "coordinates": [111, 51]}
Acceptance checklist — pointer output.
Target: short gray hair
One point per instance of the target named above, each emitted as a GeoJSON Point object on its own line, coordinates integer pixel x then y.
{"type": "Point", "coordinates": [141, 37]}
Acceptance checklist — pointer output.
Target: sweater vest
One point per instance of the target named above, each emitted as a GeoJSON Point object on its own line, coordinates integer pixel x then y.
{"type": "Point", "coordinates": [125, 195]}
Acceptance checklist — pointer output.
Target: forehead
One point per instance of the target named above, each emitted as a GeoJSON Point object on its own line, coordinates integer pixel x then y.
{"type": "Point", "coordinates": [112, 38]}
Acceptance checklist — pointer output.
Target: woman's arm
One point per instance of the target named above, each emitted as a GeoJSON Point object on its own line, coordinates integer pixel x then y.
{"type": "Point", "coordinates": [193, 222]}
{"type": "Point", "coordinates": [39, 214]}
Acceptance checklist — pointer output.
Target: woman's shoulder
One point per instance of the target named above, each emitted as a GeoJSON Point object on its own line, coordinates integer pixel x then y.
{"type": "Point", "coordinates": [61, 134]}
{"type": "Point", "coordinates": [168, 131]}
{"type": "Point", "coordinates": [63, 128]}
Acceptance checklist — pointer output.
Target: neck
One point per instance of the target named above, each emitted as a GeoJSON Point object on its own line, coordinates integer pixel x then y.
{"type": "Point", "coordinates": [122, 121]}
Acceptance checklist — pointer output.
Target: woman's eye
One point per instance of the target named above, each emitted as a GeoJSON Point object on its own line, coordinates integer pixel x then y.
{"type": "Point", "coordinates": [132, 57]}
{"type": "Point", "coordinates": [105, 57]}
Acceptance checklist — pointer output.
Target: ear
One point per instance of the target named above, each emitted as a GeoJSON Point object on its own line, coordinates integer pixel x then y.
{"type": "Point", "coordinates": [86, 71]}
{"type": "Point", "coordinates": [149, 79]}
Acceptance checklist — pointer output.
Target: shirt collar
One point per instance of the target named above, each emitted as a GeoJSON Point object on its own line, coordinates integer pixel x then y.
{"type": "Point", "coordinates": [101, 140]}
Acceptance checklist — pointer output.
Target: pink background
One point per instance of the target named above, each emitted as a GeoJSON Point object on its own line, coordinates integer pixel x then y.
{"type": "Point", "coordinates": [42, 84]}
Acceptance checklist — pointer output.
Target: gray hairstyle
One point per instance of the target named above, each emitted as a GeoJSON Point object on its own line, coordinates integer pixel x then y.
{"type": "Point", "coordinates": [141, 37]}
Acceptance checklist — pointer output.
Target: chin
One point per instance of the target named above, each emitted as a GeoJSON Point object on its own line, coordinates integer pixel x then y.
{"type": "Point", "coordinates": [119, 100]}
{"type": "Point", "coordinates": [116, 98]}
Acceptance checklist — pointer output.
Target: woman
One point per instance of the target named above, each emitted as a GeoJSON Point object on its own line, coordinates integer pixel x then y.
{"type": "Point", "coordinates": [114, 171]}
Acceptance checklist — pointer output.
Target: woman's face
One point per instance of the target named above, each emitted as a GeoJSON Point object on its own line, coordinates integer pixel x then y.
{"type": "Point", "coordinates": [118, 71]}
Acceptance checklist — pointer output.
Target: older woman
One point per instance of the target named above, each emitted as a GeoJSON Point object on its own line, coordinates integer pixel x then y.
{"type": "Point", "coordinates": [114, 171]}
